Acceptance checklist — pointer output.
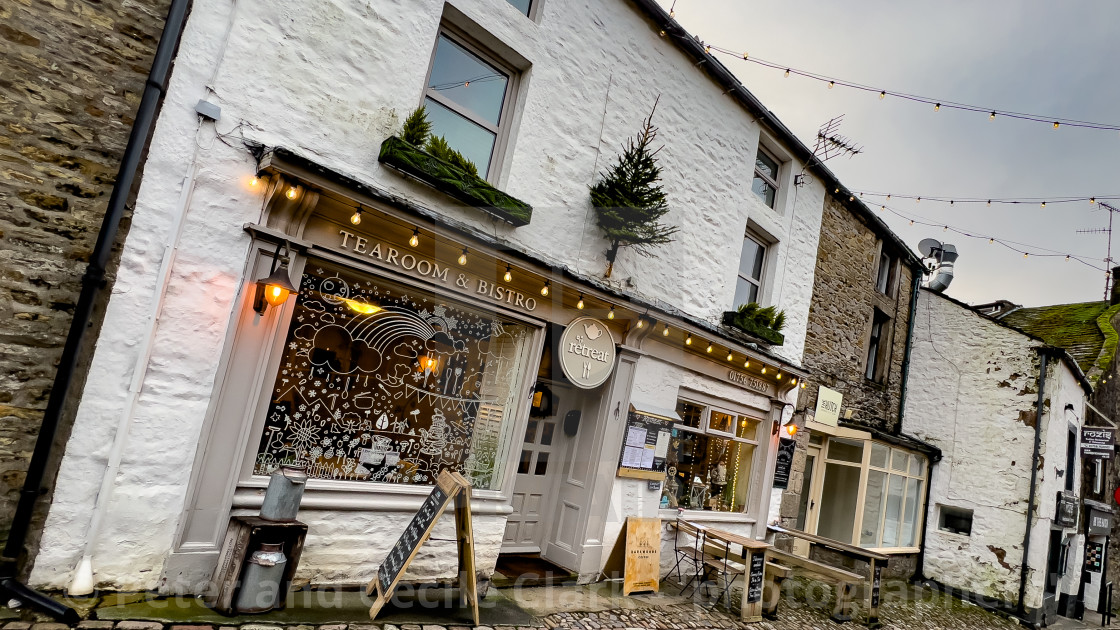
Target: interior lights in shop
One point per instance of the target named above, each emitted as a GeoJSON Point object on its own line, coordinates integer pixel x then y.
{"type": "Point", "coordinates": [414, 240]}
{"type": "Point", "coordinates": [580, 304]}
{"type": "Point", "coordinates": [463, 257]}
{"type": "Point", "coordinates": [544, 288]}
{"type": "Point", "coordinates": [508, 276]}
{"type": "Point", "coordinates": [356, 218]}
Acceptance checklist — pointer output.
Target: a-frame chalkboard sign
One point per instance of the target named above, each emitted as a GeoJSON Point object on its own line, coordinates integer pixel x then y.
{"type": "Point", "coordinates": [449, 486]}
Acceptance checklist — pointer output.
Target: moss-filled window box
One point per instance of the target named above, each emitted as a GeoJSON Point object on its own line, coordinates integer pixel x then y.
{"type": "Point", "coordinates": [452, 181]}
{"type": "Point", "coordinates": [738, 321]}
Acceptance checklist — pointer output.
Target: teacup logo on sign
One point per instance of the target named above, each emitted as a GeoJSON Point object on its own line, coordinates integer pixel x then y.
{"type": "Point", "coordinates": [586, 351]}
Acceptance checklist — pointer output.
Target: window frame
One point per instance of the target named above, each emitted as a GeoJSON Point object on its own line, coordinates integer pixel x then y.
{"type": "Point", "coordinates": [878, 348]}
{"type": "Point", "coordinates": [772, 181]}
{"type": "Point", "coordinates": [764, 245]}
{"type": "Point", "coordinates": [759, 444]}
{"type": "Point", "coordinates": [492, 171]}
{"type": "Point", "coordinates": [865, 468]}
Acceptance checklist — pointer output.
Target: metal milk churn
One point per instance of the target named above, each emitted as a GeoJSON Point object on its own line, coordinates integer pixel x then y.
{"type": "Point", "coordinates": [261, 579]}
{"type": "Point", "coordinates": [285, 490]}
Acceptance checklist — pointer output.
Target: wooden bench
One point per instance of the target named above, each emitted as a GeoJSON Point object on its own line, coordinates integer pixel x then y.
{"type": "Point", "coordinates": [775, 575]}
{"type": "Point", "coordinates": [845, 580]}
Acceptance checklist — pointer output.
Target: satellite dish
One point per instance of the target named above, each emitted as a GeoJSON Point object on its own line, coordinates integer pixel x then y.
{"type": "Point", "coordinates": [928, 245]}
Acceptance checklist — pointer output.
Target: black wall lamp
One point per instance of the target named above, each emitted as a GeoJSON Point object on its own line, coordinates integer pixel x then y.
{"type": "Point", "coordinates": [275, 289]}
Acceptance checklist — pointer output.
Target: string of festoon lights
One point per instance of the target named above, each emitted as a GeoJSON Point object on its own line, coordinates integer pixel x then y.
{"type": "Point", "coordinates": [1030, 201]}
{"type": "Point", "coordinates": [937, 103]}
{"type": "Point", "coordinates": [583, 303]}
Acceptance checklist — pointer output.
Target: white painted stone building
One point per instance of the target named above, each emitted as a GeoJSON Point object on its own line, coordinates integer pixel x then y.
{"type": "Point", "coordinates": [974, 393]}
{"type": "Point", "coordinates": [194, 395]}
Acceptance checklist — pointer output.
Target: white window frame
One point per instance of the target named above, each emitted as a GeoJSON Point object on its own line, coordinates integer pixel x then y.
{"type": "Point", "coordinates": [492, 171]}
{"type": "Point", "coordinates": [772, 181]}
{"type": "Point", "coordinates": [861, 494]}
{"type": "Point", "coordinates": [759, 283]}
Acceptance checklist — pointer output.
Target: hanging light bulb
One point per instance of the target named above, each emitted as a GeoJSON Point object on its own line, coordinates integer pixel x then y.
{"type": "Point", "coordinates": [992, 116]}
{"type": "Point", "coordinates": [911, 221]}
{"type": "Point", "coordinates": [253, 182]}
{"type": "Point", "coordinates": [463, 257]}
{"type": "Point", "coordinates": [414, 240]}
{"type": "Point", "coordinates": [951, 202]}
{"type": "Point", "coordinates": [747, 363]}
{"type": "Point", "coordinates": [508, 276]}
{"type": "Point", "coordinates": [688, 340]}
{"type": "Point", "coordinates": [544, 288]}
{"type": "Point", "coordinates": [730, 356]}
{"type": "Point", "coordinates": [672, 13]}
{"type": "Point", "coordinates": [610, 313]}
{"type": "Point", "coordinates": [291, 194]}
{"type": "Point", "coordinates": [356, 218]}
{"type": "Point", "coordinates": [802, 385]}
{"type": "Point", "coordinates": [708, 49]}
{"type": "Point", "coordinates": [1092, 200]}
{"type": "Point", "coordinates": [641, 322]}
{"type": "Point", "coordinates": [945, 228]}
{"type": "Point", "coordinates": [882, 95]}
{"type": "Point", "coordinates": [787, 73]}
{"type": "Point", "coordinates": [745, 56]}
{"type": "Point", "coordinates": [937, 107]}
{"type": "Point", "coordinates": [764, 369]}
{"type": "Point", "coordinates": [888, 196]}
{"type": "Point", "coordinates": [779, 376]}
{"type": "Point", "coordinates": [1056, 124]}
{"type": "Point", "coordinates": [881, 208]}
{"type": "Point", "coordinates": [580, 304]}
{"type": "Point", "coordinates": [663, 33]}
{"type": "Point", "coordinates": [1025, 254]}
{"type": "Point", "coordinates": [665, 331]}
{"type": "Point", "coordinates": [831, 84]}
{"type": "Point", "coordinates": [918, 200]}
{"type": "Point", "coordinates": [793, 382]}
{"type": "Point", "coordinates": [1067, 257]}
{"type": "Point", "coordinates": [709, 349]}
{"type": "Point", "coordinates": [851, 197]}
{"type": "Point", "coordinates": [989, 203]}
{"type": "Point", "coordinates": [991, 240]}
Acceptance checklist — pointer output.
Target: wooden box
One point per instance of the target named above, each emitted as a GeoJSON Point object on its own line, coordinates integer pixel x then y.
{"type": "Point", "coordinates": [244, 536]}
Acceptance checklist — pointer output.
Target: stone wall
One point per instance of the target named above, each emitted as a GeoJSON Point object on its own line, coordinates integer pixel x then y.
{"type": "Point", "coordinates": [71, 77]}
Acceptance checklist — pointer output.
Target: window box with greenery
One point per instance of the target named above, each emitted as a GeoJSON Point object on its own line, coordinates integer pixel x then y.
{"type": "Point", "coordinates": [429, 159]}
{"type": "Point", "coordinates": [763, 323]}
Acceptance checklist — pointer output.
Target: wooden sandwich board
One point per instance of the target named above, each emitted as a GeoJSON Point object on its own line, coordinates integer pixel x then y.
{"type": "Point", "coordinates": [638, 551]}
{"type": "Point", "coordinates": [449, 486]}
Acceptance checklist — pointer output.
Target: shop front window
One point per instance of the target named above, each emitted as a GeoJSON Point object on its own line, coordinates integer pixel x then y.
{"type": "Point", "coordinates": [710, 459]}
{"type": "Point", "coordinates": [379, 382]}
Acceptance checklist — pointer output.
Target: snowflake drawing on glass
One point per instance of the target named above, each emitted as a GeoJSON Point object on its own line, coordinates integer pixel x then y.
{"type": "Point", "coordinates": [378, 385]}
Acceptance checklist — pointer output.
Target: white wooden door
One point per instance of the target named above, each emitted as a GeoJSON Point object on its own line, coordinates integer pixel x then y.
{"type": "Point", "coordinates": [536, 468]}
{"type": "Point", "coordinates": [810, 499]}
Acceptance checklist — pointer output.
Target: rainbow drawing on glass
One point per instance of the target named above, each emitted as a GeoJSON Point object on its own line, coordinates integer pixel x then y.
{"type": "Point", "coordinates": [380, 382]}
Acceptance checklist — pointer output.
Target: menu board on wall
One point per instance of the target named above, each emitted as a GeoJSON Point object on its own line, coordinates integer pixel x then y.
{"type": "Point", "coordinates": [645, 446]}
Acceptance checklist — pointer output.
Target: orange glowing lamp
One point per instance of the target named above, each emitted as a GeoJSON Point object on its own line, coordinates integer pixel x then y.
{"type": "Point", "coordinates": [791, 429]}
{"type": "Point", "coordinates": [275, 289]}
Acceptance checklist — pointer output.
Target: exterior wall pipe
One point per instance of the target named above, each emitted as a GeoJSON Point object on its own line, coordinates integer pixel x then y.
{"type": "Point", "coordinates": [93, 281]}
{"type": "Point", "coordinates": [915, 288]}
{"type": "Point", "coordinates": [1034, 482]}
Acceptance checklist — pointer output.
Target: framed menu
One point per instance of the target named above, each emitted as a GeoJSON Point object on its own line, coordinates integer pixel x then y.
{"type": "Point", "coordinates": [645, 446]}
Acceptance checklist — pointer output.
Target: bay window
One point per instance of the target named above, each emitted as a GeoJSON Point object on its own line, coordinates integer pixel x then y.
{"type": "Point", "coordinates": [710, 458]}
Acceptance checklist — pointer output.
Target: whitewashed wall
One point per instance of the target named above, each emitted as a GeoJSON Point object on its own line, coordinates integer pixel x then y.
{"type": "Point", "coordinates": [330, 80]}
{"type": "Point", "coordinates": [973, 393]}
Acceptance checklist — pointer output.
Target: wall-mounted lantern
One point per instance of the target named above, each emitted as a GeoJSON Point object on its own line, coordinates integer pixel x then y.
{"type": "Point", "coordinates": [275, 289]}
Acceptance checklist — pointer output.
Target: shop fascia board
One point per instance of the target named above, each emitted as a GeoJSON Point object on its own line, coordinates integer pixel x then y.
{"type": "Point", "coordinates": [840, 432]}
{"type": "Point", "coordinates": [312, 178]}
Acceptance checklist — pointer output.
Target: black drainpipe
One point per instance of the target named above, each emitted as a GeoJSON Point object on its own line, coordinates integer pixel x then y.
{"type": "Point", "coordinates": [1034, 482]}
{"type": "Point", "coordinates": [915, 288]}
{"type": "Point", "coordinates": [92, 283]}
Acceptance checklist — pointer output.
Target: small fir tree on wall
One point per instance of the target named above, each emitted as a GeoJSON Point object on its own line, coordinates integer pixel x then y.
{"type": "Point", "coordinates": [629, 201]}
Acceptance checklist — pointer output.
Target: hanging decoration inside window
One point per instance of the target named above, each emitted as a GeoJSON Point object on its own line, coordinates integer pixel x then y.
{"type": "Point", "coordinates": [383, 383]}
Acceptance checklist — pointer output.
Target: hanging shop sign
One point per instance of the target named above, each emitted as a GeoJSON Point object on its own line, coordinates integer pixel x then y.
{"type": "Point", "coordinates": [1094, 556]}
{"type": "Point", "coordinates": [828, 406]}
{"type": "Point", "coordinates": [1067, 509]}
{"type": "Point", "coordinates": [1098, 442]}
{"type": "Point", "coordinates": [586, 352]}
{"type": "Point", "coordinates": [786, 448]}
{"type": "Point", "coordinates": [1100, 523]}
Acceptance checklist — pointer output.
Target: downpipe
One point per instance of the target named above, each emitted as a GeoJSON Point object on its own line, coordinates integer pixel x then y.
{"type": "Point", "coordinates": [1023, 566]}
{"type": "Point", "coordinates": [93, 281]}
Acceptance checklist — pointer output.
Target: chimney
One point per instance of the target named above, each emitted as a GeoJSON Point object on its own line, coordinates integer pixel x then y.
{"type": "Point", "coordinates": [1114, 295]}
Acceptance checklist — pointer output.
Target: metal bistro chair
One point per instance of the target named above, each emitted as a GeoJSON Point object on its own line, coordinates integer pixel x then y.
{"type": "Point", "coordinates": [725, 566]}
{"type": "Point", "coordinates": [689, 554]}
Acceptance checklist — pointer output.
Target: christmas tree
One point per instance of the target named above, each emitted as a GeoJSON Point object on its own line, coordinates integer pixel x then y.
{"type": "Point", "coordinates": [629, 201]}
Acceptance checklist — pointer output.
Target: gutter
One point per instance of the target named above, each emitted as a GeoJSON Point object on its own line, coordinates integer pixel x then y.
{"type": "Point", "coordinates": [93, 282]}
{"type": "Point", "coordinates": [1034, 482]}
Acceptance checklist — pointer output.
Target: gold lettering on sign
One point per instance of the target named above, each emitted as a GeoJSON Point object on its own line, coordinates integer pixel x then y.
{"type": "Point", "coordinates": [748, 381]}
{"type": "Point", "coordinates": [431, 269]}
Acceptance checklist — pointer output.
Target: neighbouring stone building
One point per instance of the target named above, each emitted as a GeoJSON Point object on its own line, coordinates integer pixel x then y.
{"type": "Point", "coordinates": [425, 329]}
{"type": "Point", "coordinates": [1005, 409]}
{"type": "Point", "coordinates": [855, 477]}
{"type": "Point", "coordinates": [71, 74]}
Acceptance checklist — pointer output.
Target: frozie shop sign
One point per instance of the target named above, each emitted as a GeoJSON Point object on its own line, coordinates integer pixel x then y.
{"type": "Point", "coordinates": [433, 271]}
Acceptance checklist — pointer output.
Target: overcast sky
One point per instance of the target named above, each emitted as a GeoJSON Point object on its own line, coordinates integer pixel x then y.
{"type": "Point", "coordinates": [1056, 59]}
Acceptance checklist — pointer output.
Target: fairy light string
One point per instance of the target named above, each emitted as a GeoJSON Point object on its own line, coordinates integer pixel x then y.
{"type": "Point", "coordinates": [987, 201]}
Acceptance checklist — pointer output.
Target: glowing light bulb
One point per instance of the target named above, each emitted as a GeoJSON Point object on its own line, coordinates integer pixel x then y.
{"type": "Point", "coordinates": [610, 313]}
{"type": "Point", "coordinates": [254, 181]}
{"type": "Point", "coordinates": [793, 382]}
{"type": "Point", "coordinates": [1056, 124]}
{"type": "Point", "coordinates": [665, 331]}
{"type": "Point", "coordinates": [888, 196]}
{"type": "Point", "coordinates": [709, 350]}
{"type": "Point", "coordinates": [764, 369]}
{"type": "Point", "coordinates": [1043, 204]}
{"type": "Point", "coordinates": [663, 33]}
{"type": "Point", "coordinates": [747, 363]}
{"type": "Point", "coordinates": [992, 116]}
{"type": "Point", "coordinates": [989, 203]}
{"type": "Point", "coordinates": [730, 356]}
{"type": "Point", "coordinates": [688, 340]}
{"type": "Point", "coordinates": [580, 304]}
{"type": "Point", "coordinates": [291, 194]}
{"type": "Point", "coordinates": [414, 240]}
{"type": "Point", "coordinates": [641, 322]}
{"type": "Point", "coordinates": [1025, 254]}
{"type": "Point", "coordinates": [1092, 200]}
{"type": "Point", "coordinates": [779, 376]}
{"type": "Point", "coordinates": [708, 49]}
{"type": "Point", "coordinates": [803, 386]}
{"type": "Point", "coordinates": [937, 107]}
{"type": "Point", "coordinates": [831, 84]}
{"type": "Point", "coordinates": [882, 207]}
{"type": "Point", "coordinates": [356, 218]}
{"type": "Point", "coordinates": [745, 56]}
{"type": "Point", "coordinates": [918, 200]}
{"type": "Point", "coordinates": [544, 289]}
{"type": "Point", "coordinates": [911, 221]}
{"type": "Point", "coordinates": [508, 276]}
{"type": "Point", "coordinates": [463, 257]}
{"type": "Point", "coordinates": [672, 13]}
{"type": "Point", "coordinates": [991, 240]}
{"type": "Point", "coordinates": [1067, 257]}
{"type": "Point", "coordinates": [787, 73]}
{"type": "Point", "coordinates": [882, 95]}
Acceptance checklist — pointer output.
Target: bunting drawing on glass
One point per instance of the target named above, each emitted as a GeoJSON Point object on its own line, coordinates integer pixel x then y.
{"type": "Point", "coordinates": [379, 382]}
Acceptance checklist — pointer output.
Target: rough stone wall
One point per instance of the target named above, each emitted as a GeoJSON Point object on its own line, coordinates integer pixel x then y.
{"type": "Point", "coordinates": [71, 76]}
{"type": "Point", "coordinates": [338, 81]}
{"type": "Point", "coordinates": [972, 393]}
{"type": "Point", "coordinates": [840, 316]}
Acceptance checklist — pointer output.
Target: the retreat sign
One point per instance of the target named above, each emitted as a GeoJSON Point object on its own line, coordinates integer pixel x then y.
{"type": "Point", "coordinates": [432, 270]}
{"type": "Point", "coordinates": [586, 352]}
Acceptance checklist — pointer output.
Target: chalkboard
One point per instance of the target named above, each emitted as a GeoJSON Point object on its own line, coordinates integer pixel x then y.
{"type": "Point", "coordinates": [449, 486]}
{"type": "Point", "coordinates": [645, 445]}
{"type": "Point", "coordinates": [758, 567]}
{"type": "Point", "coordinates": [786, 447]}
{"type": "Point", "coordinates": [876, 583]}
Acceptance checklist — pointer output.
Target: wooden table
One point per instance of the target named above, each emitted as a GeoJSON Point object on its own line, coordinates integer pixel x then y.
{"type": "Point", "coordinates": [754, 574]}
{"type": "Point", "coordinates": [876, 561]}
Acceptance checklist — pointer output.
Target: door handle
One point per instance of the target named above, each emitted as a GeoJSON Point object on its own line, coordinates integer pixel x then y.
{"type": "Point", "coordinates": [812, 503]}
